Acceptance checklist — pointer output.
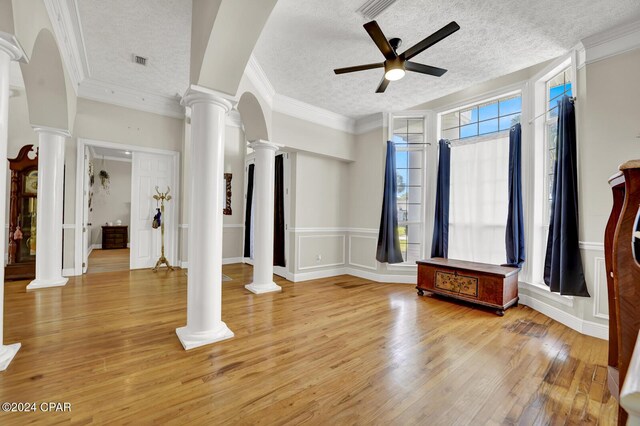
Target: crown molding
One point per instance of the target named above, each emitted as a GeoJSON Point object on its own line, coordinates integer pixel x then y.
{"type": "Point", "coordinates": [614, 41]}
{"type": "Point", "coordinates": [313, 114]}
{"type": "Point", "coordinates": [65, 21]}
{"type": "Point", "coordinates": [370, 122]}
{"type": "Point", "coordinates": [260, 81]}
{"type": "Point", "coordinates": [129, 98]}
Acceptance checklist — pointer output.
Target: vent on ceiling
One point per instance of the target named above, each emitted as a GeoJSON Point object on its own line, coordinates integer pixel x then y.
{"type": "Point", "coordinates": [372, 8]}
{"type": "Point", "coordinates": [140, 60]}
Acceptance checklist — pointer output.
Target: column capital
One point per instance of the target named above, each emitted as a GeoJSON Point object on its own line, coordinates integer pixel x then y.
{"type": "Point", "coordinates": [260, 144]}
{"type": "Point", "coordinates": [198, 94]}
{"type": "Point", "coordinates": [51, 131]}
{"type": "Point", "coordinates": [9, 44]}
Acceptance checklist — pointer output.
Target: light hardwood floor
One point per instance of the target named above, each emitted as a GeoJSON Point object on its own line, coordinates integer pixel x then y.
{"type": "Point", "coordinates": [334, 351]}
{"type": "Point", "coordinates": [108, 260]}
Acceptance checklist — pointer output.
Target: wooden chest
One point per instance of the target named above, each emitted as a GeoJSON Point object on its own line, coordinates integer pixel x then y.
{"type": "Point", "coordinates": [114, 237]}
{"type": "Point", "coordinates": [488, 285]}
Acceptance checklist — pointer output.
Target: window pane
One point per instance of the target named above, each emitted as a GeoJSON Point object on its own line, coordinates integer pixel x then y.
{"type": "Point", "coordinates": [489, 126]}
{"type": "Point", "coordinates": [415, 195]}
{"type": "Point", "coordinates": [450, 120]}
{"type": "Point", "coordinates": [402, 212]}
{"type": "Point", "coordinates": [415, 177]}
{"type": "Point", "coordinates": [511, 106]}
{"type": "Point", "coordinates": [415, 159]}
{"type": "Point", "coordinates": [401, 181]}
{"type": "Point", "coordinates": [416, 138]}
{"type": "Point", "coordinates": [469, 131]}
{"type": "Point", "coordinates": [414, 235]}
{"type": "Point", "coordinates": [399, 139]}
{"type": "Point", "coordinates": [414, 213]}
{"type": "Point", "coordinates": [415, 125]}
{"type": "Point", "coordinates": [508, 121]}
{"type": "Point", "coordinates": [401, 159]}
{"type": "Point", "coordinates": [469, 116]}
{"type": "Point", "coordinates": [399, 125]}
{"type": "Point", "coordinates": [451, 134]}
{"type": "Point", "coordinates": [488, 111]}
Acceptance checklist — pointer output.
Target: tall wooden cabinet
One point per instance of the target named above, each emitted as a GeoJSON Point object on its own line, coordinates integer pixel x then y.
{"type": "Point", "coordinates": [622, 258]}
{"type": "Point", "coordinates": [23, 204]}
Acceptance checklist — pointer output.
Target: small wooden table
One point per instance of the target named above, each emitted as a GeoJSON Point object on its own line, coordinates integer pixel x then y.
{"type": "Point", "coordinates": [480, 283]}
{"type": "Point", "coordinates": [114, 237]}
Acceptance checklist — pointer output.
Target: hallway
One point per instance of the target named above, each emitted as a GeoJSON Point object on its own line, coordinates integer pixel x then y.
{"type": "Point", "coordinates": [108, 261]}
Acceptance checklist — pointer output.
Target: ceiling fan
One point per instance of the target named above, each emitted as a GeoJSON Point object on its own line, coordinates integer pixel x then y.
{"type": "Point", "coordinates": [395, 65]}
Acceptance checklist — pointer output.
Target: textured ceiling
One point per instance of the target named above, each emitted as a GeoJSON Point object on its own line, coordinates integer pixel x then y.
{"type": "Point", "coordinates": [305, 39]}
{"type": "Point", "coordinates": [114, 30]}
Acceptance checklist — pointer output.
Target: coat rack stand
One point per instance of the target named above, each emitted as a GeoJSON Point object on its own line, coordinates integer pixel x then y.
{"type": "Point", "coordinates": [162, 197]}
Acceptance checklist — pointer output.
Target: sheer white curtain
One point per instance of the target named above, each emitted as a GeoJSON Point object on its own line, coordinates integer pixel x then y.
{"type": "Point", "coordinates": [479, 198]}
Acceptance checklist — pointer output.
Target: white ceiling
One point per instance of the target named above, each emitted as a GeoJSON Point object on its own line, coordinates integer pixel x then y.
{"type": "Point", "coordinates": [114, 30]}
{"type": "Point", "coordinates": [304, 40]}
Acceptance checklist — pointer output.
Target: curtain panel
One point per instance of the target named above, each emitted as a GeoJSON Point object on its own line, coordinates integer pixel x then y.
{"type": "Point", "coordinates": [440, 242]}
{"type": "Point", "coordinates": [514, 236]}
{"type": "Point", "coordinates": [563, 270]}
{"type": "Point", "coordinates": [388, 250]}
{"type": "Point", "coordinates": [278, 213]}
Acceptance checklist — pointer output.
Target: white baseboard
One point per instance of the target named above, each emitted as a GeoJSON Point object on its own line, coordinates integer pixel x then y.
{"type": "Point", "coordinates": [383, 278]}
{"type": "Point", "coordinates": [589, 328]}
{"type": "Point", "coordinates": [315, 275]}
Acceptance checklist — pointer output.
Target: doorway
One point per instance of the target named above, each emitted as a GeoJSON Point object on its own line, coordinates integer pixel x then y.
{"type": "Point", "coordinates": [281, 212]}
{"type": "Point", "coordinates": [115, 208]}
{"type": "Point", "coordinates": [107, 209]}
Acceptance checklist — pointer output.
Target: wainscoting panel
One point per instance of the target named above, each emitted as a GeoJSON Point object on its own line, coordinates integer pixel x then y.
{"type": "Point", "coordinates": [362, 251]}
{"type": "Point", "coordinates": [600, 298]}
{"type": "Point", "coordinates": [320, 251]}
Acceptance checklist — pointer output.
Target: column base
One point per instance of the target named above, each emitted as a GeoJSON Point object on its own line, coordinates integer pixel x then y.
{"type": "Point", "coordinates": [38, 283]}
{"type": "Point", "coordinates": [195, 339]}
{"type": "Point", "coordinates": [263, 288]}
{"type": "Point", "coordinates": [7, 353]}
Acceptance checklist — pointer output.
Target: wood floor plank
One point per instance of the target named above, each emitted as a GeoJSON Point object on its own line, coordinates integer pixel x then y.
{"type": "Point", "coordinates": [340, 350]}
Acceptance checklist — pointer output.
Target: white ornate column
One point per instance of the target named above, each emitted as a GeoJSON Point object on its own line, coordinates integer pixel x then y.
{"type": "Point", "coordinates": [204, 282]}
{"type": "Point", "coordinates": [50, 208]}
{"type": "Point", "coordinates": [264, 178]}
{"type": "Point", "coordinates": [9, 51]}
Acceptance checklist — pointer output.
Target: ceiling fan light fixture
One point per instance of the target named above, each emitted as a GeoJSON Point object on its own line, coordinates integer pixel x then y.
{"type": "Point", "coordinates": [394, 69]}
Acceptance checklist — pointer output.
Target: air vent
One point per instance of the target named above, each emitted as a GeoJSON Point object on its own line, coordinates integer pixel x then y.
{"type": "Point", "coordinates": [372, 8]}
{"type": "Point", "coordinates": [140, 60]}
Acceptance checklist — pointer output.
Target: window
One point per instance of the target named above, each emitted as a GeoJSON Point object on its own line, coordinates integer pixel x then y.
{"type": "Point", "coordinates": [479, 195]}
{"type": "Point", "coordinates": [555, 88]}
{"type": "Point", "coordinates": [481, 119]}
{"type": "Point", "coordinates": [408, 136]}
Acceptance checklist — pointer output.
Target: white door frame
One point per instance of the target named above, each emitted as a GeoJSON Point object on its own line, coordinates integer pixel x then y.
{"type": "Point", "coordinates": [81, 176]}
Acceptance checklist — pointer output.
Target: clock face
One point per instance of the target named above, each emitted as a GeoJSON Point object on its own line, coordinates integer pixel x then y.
{"type": "Point", "coordinates": [31, 183]}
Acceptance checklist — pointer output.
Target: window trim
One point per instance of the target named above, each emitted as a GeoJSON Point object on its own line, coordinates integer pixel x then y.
{"type": "Point", "coordinates": [425, 115]}
{"type": "Point", "coordinates": [534, 188]}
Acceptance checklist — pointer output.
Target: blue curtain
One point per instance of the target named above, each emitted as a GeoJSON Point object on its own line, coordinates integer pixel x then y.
{"type": "Point", "coordinates": [440, 243]}
{"type": "Point", "coordinates": [514, 237]}
{"type": "Point", "coordinates": [563, 270]}
{"type": "Point", "coordinates": [388, 241]}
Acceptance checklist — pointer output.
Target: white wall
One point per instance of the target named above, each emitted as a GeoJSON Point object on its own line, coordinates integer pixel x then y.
{"type": "Point", "coordinates": [114, 204]}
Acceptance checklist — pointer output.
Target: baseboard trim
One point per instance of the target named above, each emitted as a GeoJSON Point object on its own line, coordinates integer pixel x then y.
{"type": "Point", "coordinates": [384, 278]}
{"type": "Point", "coordinates": [589, 328]}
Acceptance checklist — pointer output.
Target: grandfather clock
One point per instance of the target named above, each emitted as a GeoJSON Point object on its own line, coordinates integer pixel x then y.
{"type": "Point", "coordinates": [21, 259]}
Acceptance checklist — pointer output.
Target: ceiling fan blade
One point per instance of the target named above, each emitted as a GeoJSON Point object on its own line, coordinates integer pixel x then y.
{"type": "Point", "coordinates": [424, 69]}
{"type": "Point", "coordinates": [383, 85]}
{"type": "Point", "coordinates": [380, 40]}
{"type": "Point", "coordinates": [442, 33]}
{"type": "Point", "coordinates": [358, 68]}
